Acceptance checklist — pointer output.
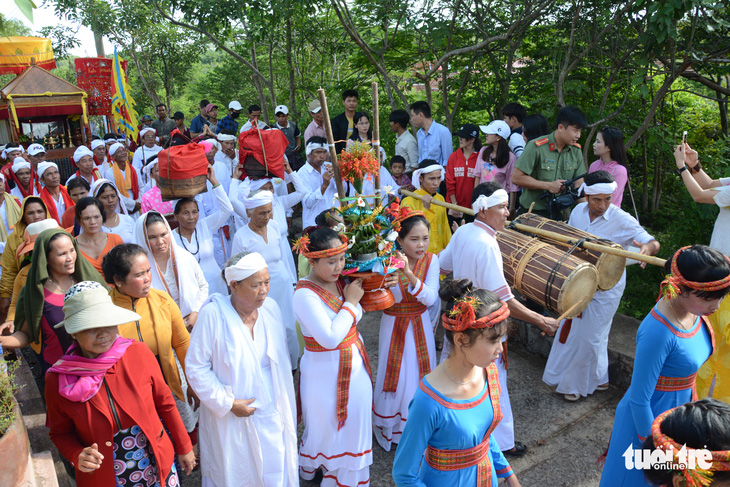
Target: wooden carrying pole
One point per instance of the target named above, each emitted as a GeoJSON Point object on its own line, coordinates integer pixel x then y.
{"type": "Point", "coordinates": [556, 236]}
{"type": "Point", "coordinates": [376, 142]}
{"type": "Point", "coordinates": [331, 143]}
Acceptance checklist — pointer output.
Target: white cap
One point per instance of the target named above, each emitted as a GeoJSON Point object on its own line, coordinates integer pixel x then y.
{"type": "Point", "coordinates": [498, 127]}
{"type": "Point", "coordinates": [34, 149]}
{"type": "Point", "coordinates": [234, 105]}
{"type": "Point", "coordinates": [281, 109]}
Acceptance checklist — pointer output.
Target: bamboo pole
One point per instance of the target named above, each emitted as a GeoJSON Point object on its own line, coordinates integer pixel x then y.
{"type": "Point", "coordinates": [556, 236]}
{"type": "Point", "coordinates": [376, 142]}
{"type": "Point", "coordinates": [331, 143]}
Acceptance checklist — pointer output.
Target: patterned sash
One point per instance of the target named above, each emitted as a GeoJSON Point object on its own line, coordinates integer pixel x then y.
{"type": "Point", "coordinates": [408, 311]}
{"type": "Point", "coordinates": [344, 370]}
{"type": "Point", "coordinates": [450, 460]}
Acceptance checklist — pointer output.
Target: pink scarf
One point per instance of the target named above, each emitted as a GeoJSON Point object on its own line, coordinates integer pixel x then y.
{"type": "Point", "coordinates": [79, 378]}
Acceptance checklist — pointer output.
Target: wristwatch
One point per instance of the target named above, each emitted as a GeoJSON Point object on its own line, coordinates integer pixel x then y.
{"type": "Point", "coordinates": [681, 170]}
{"type": "Point", "coordinates": [696, 169]}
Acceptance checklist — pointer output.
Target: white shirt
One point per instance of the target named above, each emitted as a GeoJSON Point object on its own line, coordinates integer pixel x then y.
{"type": "Point", "coordinates": [473, 253]}
{"type": "Point", "coordinates": [615, 225]}
{"type": "Point", "coordinates": [314, 202]}
{"type": "Point", "coordinates": [721, 233]}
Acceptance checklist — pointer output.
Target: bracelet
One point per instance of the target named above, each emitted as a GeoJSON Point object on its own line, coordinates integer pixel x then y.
{"type": "Point", "coordinates": [681, 170]}
{"type": "Point", "coordinates": [696, 169]}
{"type": "Point", "coordinates": [216, 185]}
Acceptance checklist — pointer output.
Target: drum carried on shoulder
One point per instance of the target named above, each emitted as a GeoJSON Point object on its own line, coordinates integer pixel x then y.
{"type": "Point", "coordinates": [610, 267]}
{"type": "Point", "coordinates": [545, 274]}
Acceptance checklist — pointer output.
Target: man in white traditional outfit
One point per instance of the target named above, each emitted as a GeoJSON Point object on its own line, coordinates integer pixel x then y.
{"type": "Point", "coordinates": [473, 254]}
{"type": "Point", "coordinates": [143, 153]}
{"type": "Point", "coordinates": [578, 361]}
{"type": "Point", "coordinates": [239, 367]}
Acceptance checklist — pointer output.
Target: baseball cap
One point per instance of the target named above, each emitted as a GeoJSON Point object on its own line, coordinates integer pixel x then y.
{"type": "Point", "coordinates": [314, 106]}
{"type": "Point", "coordinates": [146, 118]}
{"type": "Point", "coordinates": [498, 127]}
{"type": "Point", "coordinates": [210, 106]}
{"type": "Point", "coordinates": [234, 105]}
{"type": "Point", "coordinates": [468, 131]}
{"type": "Point", "coordinates": [34, 149]}
{"type": "Point", "coordinates": [178, 115]}
{"type": "Point", "coordinates": [281, 109]}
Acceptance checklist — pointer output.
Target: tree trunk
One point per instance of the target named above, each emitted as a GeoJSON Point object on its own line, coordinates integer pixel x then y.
{"type": "Point", "coordinates": [290, 65]}
{"type": "Point", "coordinates": [99, 42]}
{"type": "Point", "coordinates": [722, 106]}
{"type": "Point", "coordinates": [256, 79]}
{"type": "Point", "coordinates": [645, 176]}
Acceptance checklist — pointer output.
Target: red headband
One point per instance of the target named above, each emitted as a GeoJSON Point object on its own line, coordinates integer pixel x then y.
{"type": "Point", "coordinates": [670, 286]}
{"type": "Point", "coordinates": [463, 315]}
{"type": "Point", "coordinates": [302, 246]}
{"type": "Point", "coordinates": [694, 477]}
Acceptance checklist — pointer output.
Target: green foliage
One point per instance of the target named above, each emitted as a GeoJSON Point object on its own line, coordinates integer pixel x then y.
{"type": "Point", "coordinates": [8, 388]}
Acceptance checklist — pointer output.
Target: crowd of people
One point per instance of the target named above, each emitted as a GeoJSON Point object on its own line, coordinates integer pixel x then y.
{"type": "Point", "coordinates": [176, 335]}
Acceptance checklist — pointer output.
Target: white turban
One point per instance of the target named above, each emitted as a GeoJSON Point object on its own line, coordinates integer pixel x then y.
{"type": "Point", "coordinates": [44, 166]}
{"type": "Point", "coordinates": [2, 176]}
{"type": "Point", "coordinates": [145, 130]}
{"type": "Point", "coordinates": [313, 146]}
{"type": "Point", "coordinates": [258, 184]}
{"type": "Point", "coordinates": [147, 168]}
{"type": "Point", "coordinates": [426, 170]}
{"type": "Point", "coordinates": [225, 137]}
{"type": "Point", "coordinates": [115, 146]}
{"type": "Point", "coordinates": [121, 140]}
{"type": "Point", "coordinates": [20, 163]}
{"type": "Point", "coordinates": [598, 188]}
{"type": "Point", "coordinates": [246, 267]}
{"type": "Point", "coordinates": [259, 199]}
{"type": "Point", "coordinates": [82, 151]}
{"type": "Point", "coordinates": [485, 202]}
{"type": "Point", "coordinates": [95, 144]}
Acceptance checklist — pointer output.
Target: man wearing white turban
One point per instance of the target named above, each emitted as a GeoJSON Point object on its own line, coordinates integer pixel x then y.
{"type": "Point", "coordinates": [473, 254]}
{"type": "Point", "coordinates": [143, 153]}
{"type": "Point", "coordinates": [578, 361]}
{"type": "Point", "coordinates": [84, 159]}
{"type": "Point", "coordinates": [26, 182]}
{"type": "Point", "coordinates": [53, 193]}
{"type": "Point", "coordinates": [242, 375]}
{"type": "Point", "coordinates": [262, 235]}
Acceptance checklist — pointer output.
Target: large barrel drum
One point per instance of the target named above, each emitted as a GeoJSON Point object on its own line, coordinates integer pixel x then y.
{"type": "Point", "coordinates": [610, 267]}
{"type": "Point", "coordinates": [545, 274]}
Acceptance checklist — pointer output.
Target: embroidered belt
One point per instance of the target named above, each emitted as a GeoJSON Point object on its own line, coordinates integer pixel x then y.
{"type": "Point", "coordinates": [345, 367]}
{"type": "Point", "coordinates": [405, 313]}
{"type": "Point", "coordinates": [450, 460]}
{"type": "Point", "coordinates": [668, 384]}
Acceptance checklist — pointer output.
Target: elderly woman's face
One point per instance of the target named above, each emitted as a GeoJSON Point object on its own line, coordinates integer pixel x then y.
{"type": "Point", "coordinates": [260, 216]}
{"type": "Point", "coordinates": [159, 239]}
{"type": "Point", "coordinates": [34, 212]}
{"type": "Point", "coordinates": [62, 256]}
{"type": "Point", "coordinates": [252, 291]}
{"type": "Point", "coordinates": [96, 340]}
{"type": "Point", "coordinates": [138, 282]}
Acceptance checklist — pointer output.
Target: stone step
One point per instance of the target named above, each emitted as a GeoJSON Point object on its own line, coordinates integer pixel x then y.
{"type": "Point", "coordinates": [41, 471]}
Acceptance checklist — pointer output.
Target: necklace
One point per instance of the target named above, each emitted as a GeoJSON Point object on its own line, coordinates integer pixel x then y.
{"type": "Point", "coordinates": [681, 325]}
{"type": "Point", "coordinates": [456, 381]}
{"type": "Point", "coordinates": [197, 244]}
{"type": "Point", "coordinates": [63, 291]}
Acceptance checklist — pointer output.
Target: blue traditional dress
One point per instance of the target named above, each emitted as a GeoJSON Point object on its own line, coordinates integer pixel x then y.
{"type": "Point", "coordinates": [448, 442]}
{"type": "Point", "coordinates": [665, 367]}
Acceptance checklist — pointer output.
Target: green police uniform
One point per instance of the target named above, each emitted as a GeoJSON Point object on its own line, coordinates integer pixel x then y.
{"type": "Point", "coordinates": [542, 161]}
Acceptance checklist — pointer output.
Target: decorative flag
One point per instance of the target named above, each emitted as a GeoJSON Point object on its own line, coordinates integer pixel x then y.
{"type": "Point", "coordinates": [123, 110]}
{"type": "Point", "coordinates": [94, 76]}
{"type": "Point", "coordinates": [16, 51]}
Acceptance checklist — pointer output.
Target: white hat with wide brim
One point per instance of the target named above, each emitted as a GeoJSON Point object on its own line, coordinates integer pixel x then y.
{"type": "Point", "coordinates": [87, 305]}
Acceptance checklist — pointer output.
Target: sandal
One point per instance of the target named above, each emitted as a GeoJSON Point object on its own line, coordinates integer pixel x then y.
{"type": "Point", "coordinates": [518, 450]}
{"type": "Point", "coordinates": [571, 397]}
